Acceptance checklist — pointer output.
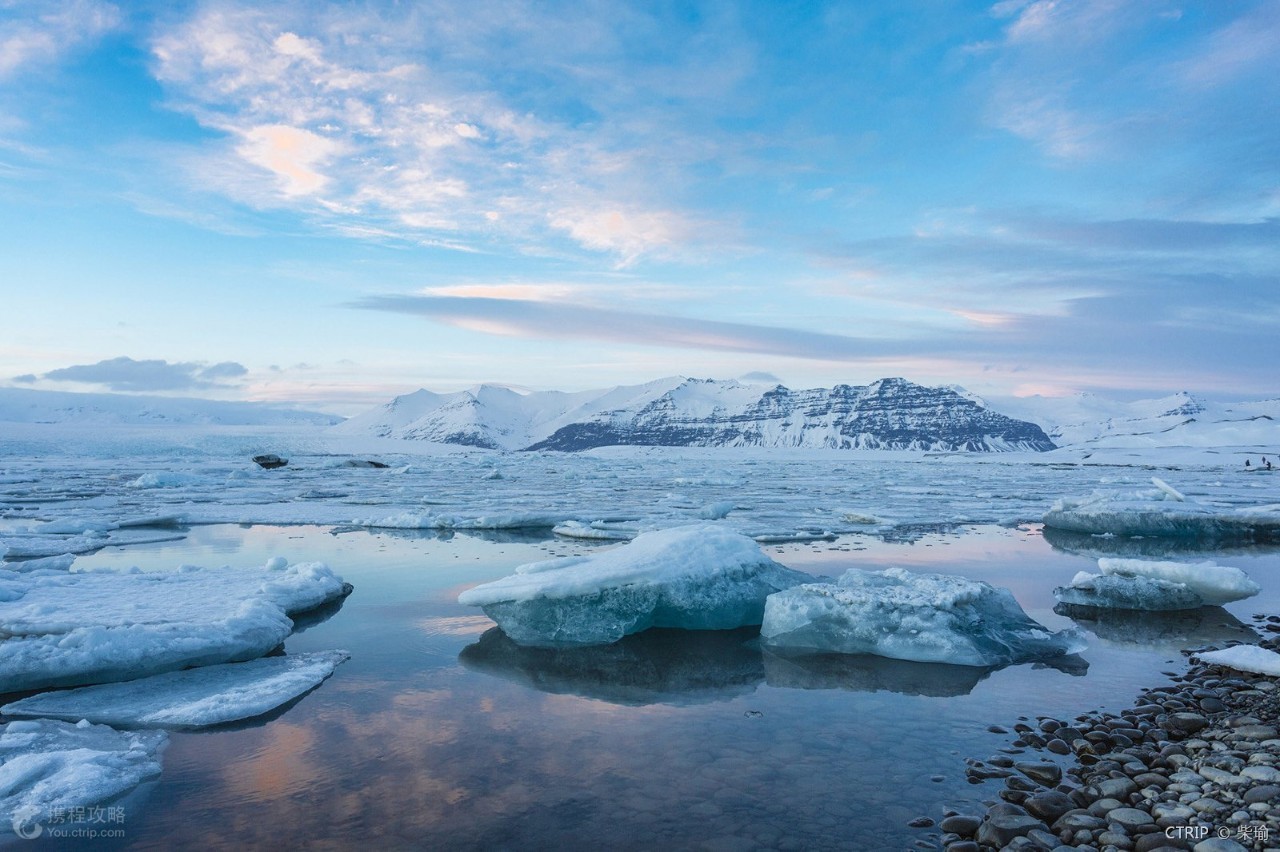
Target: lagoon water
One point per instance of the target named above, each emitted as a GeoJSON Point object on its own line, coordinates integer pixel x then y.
{"type": "Point", "coordinates": [440, 733]}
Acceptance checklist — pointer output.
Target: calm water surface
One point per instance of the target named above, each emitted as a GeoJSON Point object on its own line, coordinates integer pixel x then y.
{"type": "Point", "coordinates": [439, 733]}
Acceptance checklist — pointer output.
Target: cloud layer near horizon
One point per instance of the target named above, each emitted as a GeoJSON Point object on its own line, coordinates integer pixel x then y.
{"type": "Point", "coordinates": [126, 374]}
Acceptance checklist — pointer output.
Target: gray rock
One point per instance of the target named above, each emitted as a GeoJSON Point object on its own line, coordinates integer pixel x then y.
{"type": "Point", "coordinates": [1116, 788]}
{"type": "Point", "coordinates": [1049, 805]}
{"type": "Point", "coordinates": [1220, 776]}
{"type": "Point", "coordinates": [998, 830]}
{"type": "Point", "coordinates": [1264, 793]}
{"type": "Point", "coordinates": [1130, 818]}
{"type": "Point", "coordinates": [1042, 773]}
{"type": "Point", "coordinates": [961, 824]}
{"type": "Point", "coordinates": [1079, 821]}
{"type": "Point", "coordinates": [1185, 724]}
{"type": "Point", "coordinates": [1257, 732]}
{"type": "Point", "coordinates": [1218, 844]}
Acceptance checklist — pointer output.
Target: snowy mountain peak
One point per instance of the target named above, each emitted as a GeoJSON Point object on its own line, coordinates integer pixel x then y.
{"type": "Point", "coordinates": [891, 413]}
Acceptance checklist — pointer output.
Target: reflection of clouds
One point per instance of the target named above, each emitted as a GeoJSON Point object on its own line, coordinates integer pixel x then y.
{"type": "Point", "coordinates": [281, 766]}
{"type": "Point", "coordinates": [458, 625]}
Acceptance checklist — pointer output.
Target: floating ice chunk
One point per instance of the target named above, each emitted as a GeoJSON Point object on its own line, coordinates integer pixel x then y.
{"type": "Point", "coordinates": [61, 562]}
{"type": "Point", "coordinates": [194, 698]}
{"type": "Point", "coordinates": [931, 618]}
{"type": "Point", "coordinates": [1215, 584]}
{"type": "Point", "coordinates": [1245, 658]}
{"type": "Point", "coordinates": [46, 764]}
{"type": "Point", "coordinates": [78, 628]}
{"type": "Point", "coordinates": [702, 577]}
{"type": "Point", "coordinates": [166, 479]}
{"type": "Point", "coordinates": [1163, 512]}
{"type": "Point", "coordinates": [716, 511]}
{"type": "Point", "coordinates": [1127, 592]}
{"type": "Point", "coordinates": [595, 531]}
{"type": "Point", "coordinates": [28, 546]}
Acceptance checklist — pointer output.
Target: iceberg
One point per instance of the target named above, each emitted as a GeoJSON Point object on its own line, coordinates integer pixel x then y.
{"type": "Point", "coordinates": [1163, 512]}
{"type": "Point", "coordinates": [928, 618]}
{"type": "Point", "coordinates": [46, 765]}
{"type": "Point", "coordinates": [1140, 584]}
{"type": "Point", "coordinates": [79, 628]}
{"type": "Point", "coordinates": [1137, 593]}
{"type": "Point", "coordinates": [1244, 658]}
{"type": "Point", "coordinates": [701, 577]}
{"type": "Point", "coordinates": [193, 698]}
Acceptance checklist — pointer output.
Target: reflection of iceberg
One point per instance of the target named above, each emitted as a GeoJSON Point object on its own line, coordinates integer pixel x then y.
{"type": "Point", "coordinates": [702, 577]}
{"type": "Point", "coordinates": [929, 618]}
{"type": "Point", "coordinates": [1165, 513]}
{"type": "Point", "coordinates": [654, 667]}
{"type": "Point", "coordinates": [1210, 625]}
{"type": "Point", "coordinates": [869, 673]}
{"type": "Point", "coordinates": [1095, 545]}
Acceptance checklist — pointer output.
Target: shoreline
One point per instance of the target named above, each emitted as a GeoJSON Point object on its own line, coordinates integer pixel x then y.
{"type": "Point", "coordinates": [1190, 765]}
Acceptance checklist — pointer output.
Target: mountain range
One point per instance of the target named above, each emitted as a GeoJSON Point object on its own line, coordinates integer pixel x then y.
{"type": "Point", "coordinates": [886, 414]}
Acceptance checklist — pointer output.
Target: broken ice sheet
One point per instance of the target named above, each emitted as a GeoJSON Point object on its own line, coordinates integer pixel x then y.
{"type": "Point", "coordinates": [193, 698]}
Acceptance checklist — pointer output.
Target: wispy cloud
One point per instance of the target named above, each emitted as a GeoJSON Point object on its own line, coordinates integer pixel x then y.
{"type": "Point", "coordinates": [126, 374]}
{"type": "Point", "coordinates": [359, 119]}
{"type": "Point", "coordinates": [34, 33]}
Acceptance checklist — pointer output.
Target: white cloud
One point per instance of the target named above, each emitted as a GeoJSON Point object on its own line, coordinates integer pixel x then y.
{"type": "Point", "coordinates": [38, 33]}
{"type": "Point", "coordinates": [292, 154]}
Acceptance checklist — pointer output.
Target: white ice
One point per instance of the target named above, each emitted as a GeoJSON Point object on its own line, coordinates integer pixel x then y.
{"type": "Point", "coordinates": [1215, 584]}
{"type": "Point", "coordinates": [79, 628]}
{"type": "Point", "coordinates": [932, 618]}
{"type": "Point", "coordinates": [46, 764]}
{"type": "Point", "coordinates": [1245, 658]}
{"type": "Point", "coordinates": [193, 698]}
{"type": "Point", "coordinates": [701, 577]}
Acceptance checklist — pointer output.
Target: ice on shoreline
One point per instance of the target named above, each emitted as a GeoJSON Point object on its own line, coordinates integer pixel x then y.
{"type": "Point", "coordinates": [74, 629]}
{"type": "Point", "coordinates": [192, 698]}
{"type": "Point", "coordinates": [47, 764]}
{"type": "Point", "coordinates": [1164, 512]}
{"type": "Point", "coordinates": [702, 577]}
{"type": "Point", "coordinates": [930, 618]}
{"type": "Point", "coordinates": [1245, 658]}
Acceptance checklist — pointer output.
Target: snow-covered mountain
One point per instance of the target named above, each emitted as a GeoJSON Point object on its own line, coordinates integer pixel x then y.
{"type": "Point", "coordinates": [1088, 421]}
{"type": "Point", "coordinates": [21, 405]}
{"type": "Point", "coordinates": [887, 414]}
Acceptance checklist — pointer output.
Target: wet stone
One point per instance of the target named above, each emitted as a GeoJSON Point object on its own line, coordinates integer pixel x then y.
{"type": "Point", "coordinates": [961, 824]}
{"type": "Point", "coordinates": [1185, 723]}
{"type": "Point", "coordinates": [1042, 773]}
{"type": "Point", "coordinates": [1130, 818]}
{"type": "Point", "coordinates": [1265, 793]}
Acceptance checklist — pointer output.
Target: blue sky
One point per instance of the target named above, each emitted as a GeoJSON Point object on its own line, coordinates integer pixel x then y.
{"type": "Point", "coordinates": [328, 204]}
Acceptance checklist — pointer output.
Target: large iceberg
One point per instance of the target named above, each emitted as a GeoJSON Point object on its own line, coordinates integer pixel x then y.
{"type": "Point", "coordinates": [47, 765]}
{"type": "Point", "coordinates": [701, 577]}
{"type": "Point", "coordinates": [1156, 586]}
{"type": "Point", "coordinates": [929, 618]}
{"type": "Point", "coordinates": [193, 698]}
{"type": "Point", "coordinates": [1164, 512]}
{"type": "Point", "coordinates": [69, 629]}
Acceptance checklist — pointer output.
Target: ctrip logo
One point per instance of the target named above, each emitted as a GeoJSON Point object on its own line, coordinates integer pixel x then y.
{"type": "Point", "coordinates": [25, 823]}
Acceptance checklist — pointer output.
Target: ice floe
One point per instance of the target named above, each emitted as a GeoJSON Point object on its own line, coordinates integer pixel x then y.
{"type": "Point", "coordinates": [80, 628]}
{"type": "Point", "coordinates": [192, 698]}
{"type": "Point", "coordinates": [1141, 584]}
{"type": "Point", "coordinates": [935, 618]}
{"type": "Point", "coordinates": [1165, 512]}
{"type": "Point", "coordinates": [47, 765]}
{"type": "Point", "coordinates": [702, 577]}
{"type": "Point", "coordinates": [1245, 658]}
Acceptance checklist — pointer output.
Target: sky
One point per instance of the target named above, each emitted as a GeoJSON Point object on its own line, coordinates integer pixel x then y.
{"type": "Point", "coordinates": [327, 204]}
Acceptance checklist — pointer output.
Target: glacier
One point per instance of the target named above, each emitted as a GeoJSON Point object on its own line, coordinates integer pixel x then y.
{"type": "Point", "coordinates": [928, 618]}
{"type": "Point", "coordinates": [47, 765]}
{"type": "Point", "coordinates": [70, 629]}
{"type": "Point", "coordinates": [701, 577]}
{"type": "Point", "coordinates": [192, 698]}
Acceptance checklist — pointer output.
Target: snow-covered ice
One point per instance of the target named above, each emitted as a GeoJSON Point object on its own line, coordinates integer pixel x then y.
{"type": "Point", "coordinates": [702, 577]}
{"type": "Point", "coordinates": [79, 628]}
{"type": "Point", "coordinates": [1215, 584]}
{"type": "Point", "coordinates": [1245, 658]}
{"type": "Point", "coordinates": [192, 698]}
{"type": "Point", "coordinates": [47, 764]}
{"type": "Point", "coordinates": [1164, 511]}
{"type": "Point", "coordinates": [937, 618]}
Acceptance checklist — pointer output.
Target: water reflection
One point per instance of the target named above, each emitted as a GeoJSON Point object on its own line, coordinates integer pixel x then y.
{"type": "Point", "coordinates": [1174, 631]}
{"type": "Point", "coordinates": [1095, 546]}
{"type": "Point", "coordinates": [654, 667]}
{"type": "Point", "coordinates": [866, 673]}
